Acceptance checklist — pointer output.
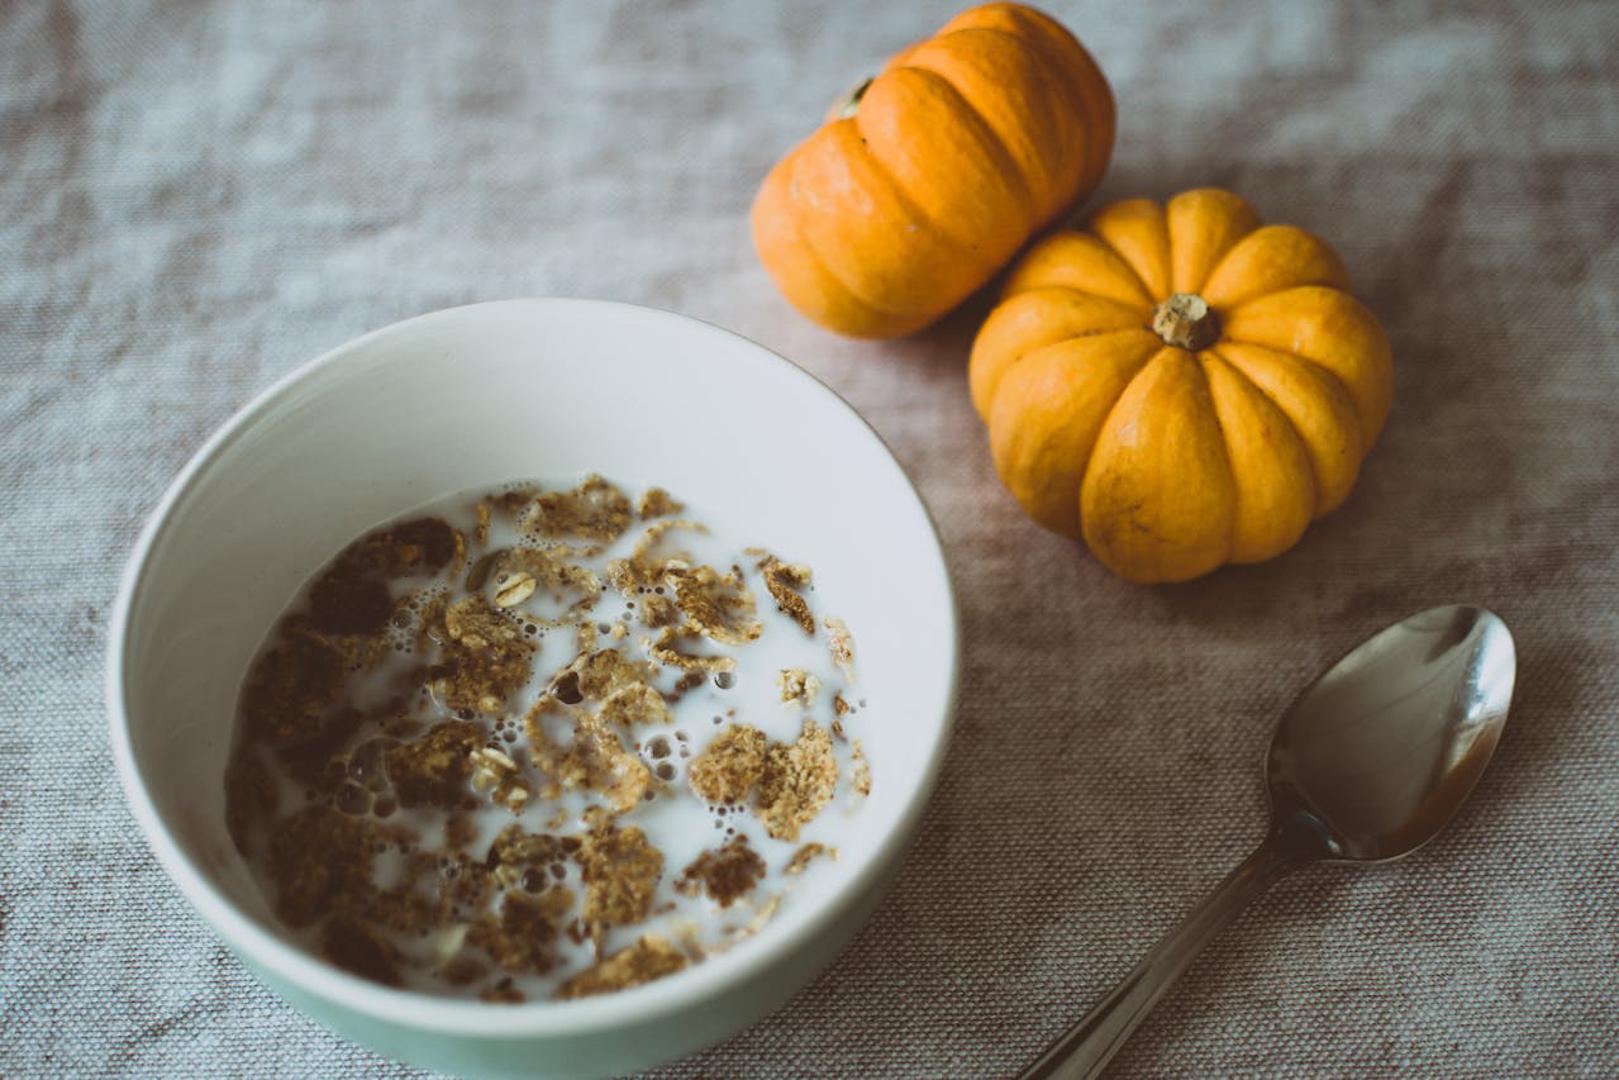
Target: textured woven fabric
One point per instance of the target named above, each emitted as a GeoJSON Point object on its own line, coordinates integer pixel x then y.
{"type": "Point", "coordinates": [194, 198]}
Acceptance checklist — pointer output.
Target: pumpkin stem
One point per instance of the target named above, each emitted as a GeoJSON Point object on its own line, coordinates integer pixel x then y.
{"type": "Point", "coordinates": [1185, 321]}
{"type": "Point", "coordinates": [851, 101]}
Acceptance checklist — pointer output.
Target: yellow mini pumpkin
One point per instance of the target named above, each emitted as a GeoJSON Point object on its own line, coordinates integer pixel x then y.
{"type": "Point", "coordinates": [1180, 385]}
{"type": "Point", "coordinates": [933, 174]}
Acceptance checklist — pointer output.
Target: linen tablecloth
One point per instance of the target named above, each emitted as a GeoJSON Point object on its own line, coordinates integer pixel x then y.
{"type": "Point", "coordinates": [196, 197]}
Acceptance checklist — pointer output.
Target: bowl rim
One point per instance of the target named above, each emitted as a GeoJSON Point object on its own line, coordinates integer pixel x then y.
{"type": "Point", "coordinates": [421, 1010]}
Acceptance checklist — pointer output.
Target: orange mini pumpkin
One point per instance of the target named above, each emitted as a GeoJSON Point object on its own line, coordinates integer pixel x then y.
{"type": "Point", "coordinates": [933, 174]}
{"type": "Point", "coordinates": [1180, 385]}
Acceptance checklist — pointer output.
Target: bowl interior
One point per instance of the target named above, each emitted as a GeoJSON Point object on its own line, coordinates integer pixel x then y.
{"type": "Point", "coordinates": [483, 394]}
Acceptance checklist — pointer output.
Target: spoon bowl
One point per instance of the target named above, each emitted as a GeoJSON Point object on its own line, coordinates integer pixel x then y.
{"type": "Point", "coordinates": [1366, 765]}
{"type": "Point", "coordinates": [1373, 758]}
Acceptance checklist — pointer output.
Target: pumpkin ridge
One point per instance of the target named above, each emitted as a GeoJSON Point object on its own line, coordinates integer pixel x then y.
{"type": "Point", "coordinates": [1302, 359]}
{"type": "Point", "coordinates": [809, 250]}
{"type": "Point", "coordinates": [1107, 422]}
{"type": "Point", "coordinates": [1056, 69]}
{"type": "Point", "coordinates": [1315, 476]}
{"type": "Point", "coordinates": [1098, 144]}
{"type": "Point", "coordinates": [1036, 218]}
{"type": "Point", "coordinates": [1084, 336]}
{"type": "Point", "coordinates": [1034, 320]}
{"type": "Point", "coordinates": [1232, 240]}
{"type": "Point", "coordinates": [1005, 162]}
{"type": "Point", "coordinates": [1145, 325]}
{"type": "Point", "coordinates": [1367, 370]}
{"type": "Point", "coordinates": [904, 199]}
{"type": "Point", "coordinates": [1043, 215]}
{"type": "Point", "coordinates": [1064, 452]}
{"type": "Point", "coordinates": [1146, 306]}
{"type": "Point", "coordinates": [1325, 250]}
{"type": "Point", "coordinates": [1225, 447]}
{"type": "Point", "coordinates": [775, 199]}
{"type": "Point", "coordinates": [1093, 476]}
{"type": "Point", "coordinates": [1093, 226]}
{"type": "Point", "coordinates": [1128, 265]}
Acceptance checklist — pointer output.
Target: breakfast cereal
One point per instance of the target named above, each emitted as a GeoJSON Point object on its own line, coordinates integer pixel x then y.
{"type": "Point", "coordinates": [542, 742]}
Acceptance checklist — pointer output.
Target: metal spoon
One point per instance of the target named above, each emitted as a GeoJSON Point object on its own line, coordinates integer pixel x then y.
{"type": "Point", "coordinates": [1367, 765]}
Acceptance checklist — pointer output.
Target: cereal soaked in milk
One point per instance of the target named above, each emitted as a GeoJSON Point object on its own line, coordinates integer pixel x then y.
{"type": "Point", "coordinates": [544, 742]}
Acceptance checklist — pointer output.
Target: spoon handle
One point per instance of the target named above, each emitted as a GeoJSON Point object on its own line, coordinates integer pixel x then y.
{"type": "Point", "coordinates": [1086, 1048]}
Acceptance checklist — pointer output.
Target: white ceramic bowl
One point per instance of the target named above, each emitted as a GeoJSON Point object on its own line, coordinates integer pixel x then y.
{"type": "Point", "coordinates": [478, 395]}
